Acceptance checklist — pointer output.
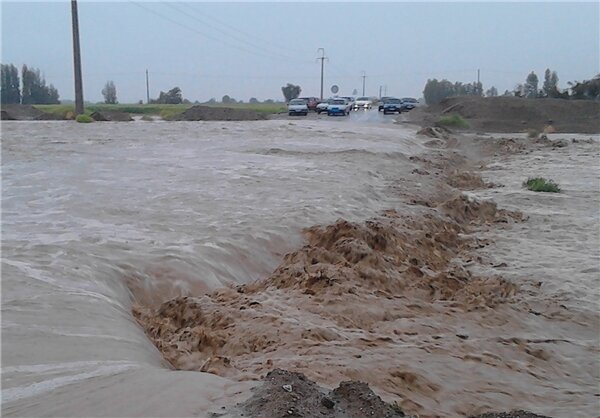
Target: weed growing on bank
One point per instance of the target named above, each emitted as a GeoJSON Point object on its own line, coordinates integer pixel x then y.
{"type": "Point", "coordinates": [453, 120]}
{"type": "Point", "coordinates": [540, 184]}
{"type": "Point", "coordinates": [533, 133]}
{"type": "Point", "coordinates": [84, 119]}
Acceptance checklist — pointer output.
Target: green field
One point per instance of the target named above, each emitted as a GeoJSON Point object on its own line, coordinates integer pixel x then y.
{"type": "Point", "coordinates": [163, 110]}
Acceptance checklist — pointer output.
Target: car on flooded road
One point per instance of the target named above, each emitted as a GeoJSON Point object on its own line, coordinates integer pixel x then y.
{"type": "Point", "coordinates": [338, 106]}
{"type": "Point", "coordinates": [297, 107]}
{"type": "Point", "coordinates": [392, 106]}
{"type": "Point", "coordinates": [322, 106]}
{"type": "Point", "coordinates": [363, 103]}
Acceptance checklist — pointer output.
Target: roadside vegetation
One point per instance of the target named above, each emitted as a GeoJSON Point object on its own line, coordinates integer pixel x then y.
{"type": "Point", "coordinates": [540, 184]}
{"type": "Point", "coordinates": [533, 133]}
{"type": "Point", "coordinates": [163, 110]}
{"type": "Point", "coordinates": [455, 121]}
{"type": "Point", "coordinates": [84, 119]}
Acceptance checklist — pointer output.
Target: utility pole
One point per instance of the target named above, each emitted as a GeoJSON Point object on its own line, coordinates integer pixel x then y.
{"type": "Point", "coordinates": [77, 60]}
{"type": "Point", "coordinates": [322, 58]}
{"type": "Point", "coordinates": [147, 89]}
{"type": "Point", "coordinates": [478, 81]}
{"type": "Point", "coordinates": [380, 87]}
{"type": "Point", "coordinates": [364, 76]}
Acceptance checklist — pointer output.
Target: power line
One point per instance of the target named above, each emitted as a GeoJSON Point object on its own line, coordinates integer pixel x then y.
{"type": "Point", "coordinates": [258, 38]}
{"type": "Point", "coordinates": [236, 38]}
{"type": "Point", "coordinates": [205, 35]}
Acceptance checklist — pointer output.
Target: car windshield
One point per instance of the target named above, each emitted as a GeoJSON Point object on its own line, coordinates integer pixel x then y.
{"type": "Point", "coordinates": [410, 100]}
{"type": "Point", "coordinates": [297, 102]}
{"type": "Point", "coordinates": [363, 98]}
{"type": "Point", "coordinates": [394, 101]}
{"type": "Point", "coordinates": [338, 101]}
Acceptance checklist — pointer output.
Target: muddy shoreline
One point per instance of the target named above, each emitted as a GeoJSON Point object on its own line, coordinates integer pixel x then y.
{"type": "Point", "coordinates": [386, 302]}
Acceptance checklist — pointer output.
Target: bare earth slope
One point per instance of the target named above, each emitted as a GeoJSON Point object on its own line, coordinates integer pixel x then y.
{"type": "Point", "coordinates": [514, 114]}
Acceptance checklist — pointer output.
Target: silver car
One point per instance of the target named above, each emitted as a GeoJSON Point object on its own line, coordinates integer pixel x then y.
{"type": "Point", "coordinates": [297, 107]}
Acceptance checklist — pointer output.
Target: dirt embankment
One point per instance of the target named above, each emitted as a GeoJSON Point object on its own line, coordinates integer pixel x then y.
{"type": "Point", "coordinates": [197, 113]}
{"type": "Point", "coordinates": [514, 114]}
{"type": "Point", "coordinates": [26, 112]}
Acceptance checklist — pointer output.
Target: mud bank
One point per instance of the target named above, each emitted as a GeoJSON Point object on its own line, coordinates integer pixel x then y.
{"type": "Point", "coordinates": [407, 302]}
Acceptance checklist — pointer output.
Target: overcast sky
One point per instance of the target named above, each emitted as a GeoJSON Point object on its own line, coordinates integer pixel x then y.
{"type": "Point", "coordinates": [251, 49]}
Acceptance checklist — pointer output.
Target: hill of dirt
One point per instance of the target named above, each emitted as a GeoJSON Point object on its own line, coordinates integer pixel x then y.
{"type": "Point", "coordinates": [515, 114]}
{"type": "Point", "coordinates": [26, 112]}
{"type": "Point", "coordinates": [196, 113]}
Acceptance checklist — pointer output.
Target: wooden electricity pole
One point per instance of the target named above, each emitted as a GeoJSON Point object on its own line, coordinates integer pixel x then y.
{"type": "Point", "coordinates": [77, 60]}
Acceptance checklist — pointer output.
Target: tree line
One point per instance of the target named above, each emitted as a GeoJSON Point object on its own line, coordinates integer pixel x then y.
{"type": "Point", "coordinates": [30, 88]}
{"type": "Point", "coordinates": [435, 91]}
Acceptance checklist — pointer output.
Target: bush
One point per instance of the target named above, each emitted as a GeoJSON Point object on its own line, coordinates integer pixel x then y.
{"type": "Point", "coordinates": [532, 133]}
{"type": "Point", "coordinates": [84, 119]}
{"type": "Point", "coordinates": [453, 120]}
{"type": "Point", "coordinates": [147, 118]}
{"type": "Point", "coordinates": [540, 184]}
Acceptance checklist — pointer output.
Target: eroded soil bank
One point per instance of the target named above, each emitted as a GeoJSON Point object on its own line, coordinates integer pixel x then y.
{"type": "Point", "coordinates": [405, 302]}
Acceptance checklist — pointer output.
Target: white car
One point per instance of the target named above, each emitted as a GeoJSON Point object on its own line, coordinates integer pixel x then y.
{"type": "Point", "coordinates": [297, 107]}
{"type": "Point", "coordinates": [364, 103]}
{"type": "Point", "coordinates": [338, 106]}
{"type": "Point", "coordinates": [322, 106]}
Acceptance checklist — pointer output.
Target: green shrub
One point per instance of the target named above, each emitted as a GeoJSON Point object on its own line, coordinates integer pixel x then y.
{"type": "Point", "coordinates": [84, 119]}
{"type": "Point", "coordinates": [533, 133]}
{"type": "Point", "coordinates": [453, 120]}
{"type": "Point", "coordinates": [540, 184]}
{"type": "Point", "coordinates": [147, 118]}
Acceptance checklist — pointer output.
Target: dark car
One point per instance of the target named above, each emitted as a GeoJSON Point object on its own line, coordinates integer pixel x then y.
{"type": "Point", "coordinates": [392, 106]}
{"type": "Point", "coordinates": [382, 101]}
{"type": "Point", "coordinates": [311, 102]}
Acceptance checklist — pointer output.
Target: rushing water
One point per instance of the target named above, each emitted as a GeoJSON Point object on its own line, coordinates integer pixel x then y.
{"type": "Point", "coordinates": [183, 205]}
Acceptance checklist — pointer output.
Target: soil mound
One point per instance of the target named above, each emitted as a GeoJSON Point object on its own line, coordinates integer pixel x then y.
{"type": "Point", "coordinates": [285, 393]}
{"type": "Point", "coordinates": [512, 414]}
{"type": "Point", "coordinates": [111, 116]}
{"type": "Point", "coordinates": [515, 114]}
{"type": "Point", "coordinates": [26, 112]}
{"type": "Point", "coordinates": [197, 113]}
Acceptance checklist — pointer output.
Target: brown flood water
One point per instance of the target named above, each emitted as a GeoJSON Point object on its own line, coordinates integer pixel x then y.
{"type": "Point", "coordinates": [442, 302]}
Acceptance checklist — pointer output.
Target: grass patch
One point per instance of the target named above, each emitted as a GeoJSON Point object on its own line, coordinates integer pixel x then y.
{"type": "Point", "coordinates": [147, 118]}
{"type": "Point", "coordinates": [84, 119]}
{"type": "Point", "coordinates": [540, 184]}
{"type": "Point", "coordinates": [533, 133]}
{"type": "Point", "coordinates": [163, 110]}
{"type": "Point", "coordinates": [455, 121]}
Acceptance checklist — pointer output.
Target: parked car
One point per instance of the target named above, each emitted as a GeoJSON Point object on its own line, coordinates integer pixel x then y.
{"type": "Point", "coordinates": [297, 107]}
{"type": "Point", "coordinates": [338, 106]}
{"type": "Point", "coordinates": [311, 102]}
{"type": "Point", "coordinates": [408, 103]}
{"type": "Point", "coordinates": [364, 103]}
{"type": "Point", "coordinates": [392, 105]}
{"type": "Point", "coordinates": [322, 106]}
{"type": "Point", "coordinates": [382, 101]}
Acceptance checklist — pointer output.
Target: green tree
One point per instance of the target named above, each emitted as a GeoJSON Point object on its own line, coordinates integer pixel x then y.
{"type": "Point", "coordinates": [110, 93]}
{"type": "Point", "coordinates": [228, 100]}
{"type": "Point", "coordinates": [531, 86]}
{"type": "Point", "coordinates": [173, 96]}
{"type": "Point", "coordinates": [435, 91]}
{"type": "Point", "coordinates": [10, 90]}
{"type": "Point", "coordinates": [253, 100]}
{"type": "Point", "coordinates": [491, 92]}
{"type": "Point", "coordinates": [550, 86]}
{"type": "Point", "coordinates": [588, 89]}
{"type": "Point", "coordinates": [35, 90]}
{"type": "Point", "coordinates": [291, 92]}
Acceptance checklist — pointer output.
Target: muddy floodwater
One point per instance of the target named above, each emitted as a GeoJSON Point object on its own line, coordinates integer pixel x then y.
{"type": "Point", "coordinates": [92, 213]}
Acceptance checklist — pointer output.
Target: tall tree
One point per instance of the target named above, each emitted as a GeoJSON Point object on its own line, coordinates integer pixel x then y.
{"type": "Point", "coordinates": [10, 91]}
{"type": "Point", "coordinates": [531, 85]}
{"type": "Point", "coordinates": [291, 92]}
{"type": "Point", "coordinates": [110, 93]}
{"type": "Point", "coordinates": [35, 90]}
{"type": "Point", "coordinates": [550, 86]}
{"type": "Point", "coordinates": [492, 92]}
